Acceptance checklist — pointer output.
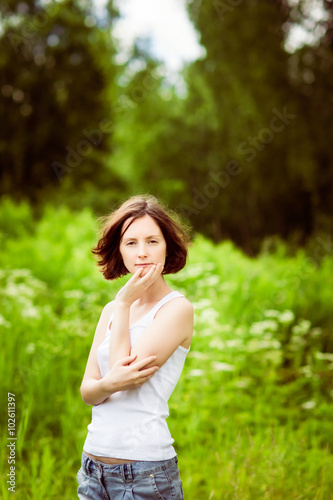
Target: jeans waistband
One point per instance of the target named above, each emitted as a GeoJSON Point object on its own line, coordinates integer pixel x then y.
{"type": "Point", "coordinates": [127, 471]}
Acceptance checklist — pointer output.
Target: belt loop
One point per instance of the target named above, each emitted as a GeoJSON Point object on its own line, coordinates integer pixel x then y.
{"type": "Point", "coordinates": [128, 473]}
{"type": "Point", "coordinates": [122, 471]}
{"type": "Point", "coordinates": [86, 464]}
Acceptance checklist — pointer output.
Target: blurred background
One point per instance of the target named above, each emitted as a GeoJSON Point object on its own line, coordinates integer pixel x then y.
{"type": "Point", "coordinates": [223, 110]}
{"type": "Point", "coordinates": [91, 114]}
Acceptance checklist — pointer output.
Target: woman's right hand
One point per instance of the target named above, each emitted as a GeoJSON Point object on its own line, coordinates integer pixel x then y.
{"type": "Point", "coordinates": [138, 284]}
{"type": "Point", "coordinates": [126, 375]}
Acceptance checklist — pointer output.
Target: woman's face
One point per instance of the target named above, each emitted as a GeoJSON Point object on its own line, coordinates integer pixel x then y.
{"type": "Point", "coordinates": [142, 245]}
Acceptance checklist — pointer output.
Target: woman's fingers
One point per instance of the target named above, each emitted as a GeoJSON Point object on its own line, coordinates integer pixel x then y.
{"type": "Point", "coordinates": [147, 372]}
{"type": "Point", "coordinates": [144, 378]}
{"type": "Point", "coordinates": [145, 375]}
{"type": "Point", "coordinates": [140, 364]}
{"type": "Point", "coordinates": [147, 276]}
{"type": "Point", "coordinates": [127, 360]}
{"type": "Point", "coordinates": [152, 274]}
{"type": "Point", "coordinates": [136, 285]}
{"type": "Point", "coordinates": [157, 271]}
{"type": "Point", "coordinates": [138, 272]}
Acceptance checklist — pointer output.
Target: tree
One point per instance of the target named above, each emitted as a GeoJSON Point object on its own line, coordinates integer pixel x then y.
{"type": "Point", "coordinates": [311, 75]}
{"type": "Point", "coordinates": [56, 81]}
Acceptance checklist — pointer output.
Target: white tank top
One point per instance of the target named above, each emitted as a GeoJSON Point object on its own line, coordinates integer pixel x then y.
{"type": "Point", "coordinates": [132, 424]}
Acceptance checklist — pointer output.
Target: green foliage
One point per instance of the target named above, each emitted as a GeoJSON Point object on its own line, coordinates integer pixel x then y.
{"type": "Point", "coordinates": [245, 151]}
{"type": "Point", "coordinates": [251, 415]}
{"type": "Point", "coordinates": [16, 220]}
{"type": "Point", "coordinates": [239, 141]}
{"type": "Point", "coordinates": [57, 107]}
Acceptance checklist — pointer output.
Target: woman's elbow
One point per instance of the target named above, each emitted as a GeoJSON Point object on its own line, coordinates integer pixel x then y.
{"type": "Point", "coordinates": [84, 395]}
{"type": "Point", "coordinates": [92, 393]}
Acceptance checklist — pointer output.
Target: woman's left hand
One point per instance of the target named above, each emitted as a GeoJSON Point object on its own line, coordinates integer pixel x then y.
{"type": "Point", "coordinates": [126, 375]}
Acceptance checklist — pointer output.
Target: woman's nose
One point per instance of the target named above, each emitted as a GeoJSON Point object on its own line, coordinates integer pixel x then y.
{"type": "Point", "coordinates": [142, 252]}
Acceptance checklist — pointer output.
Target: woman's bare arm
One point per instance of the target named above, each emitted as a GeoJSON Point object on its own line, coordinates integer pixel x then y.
{"type": "Point", "coordinates": [172, 326]}
{"type": "Point", "coordinates": [120, 344]}
{"type": "Point", "coordinates": [123, 375]}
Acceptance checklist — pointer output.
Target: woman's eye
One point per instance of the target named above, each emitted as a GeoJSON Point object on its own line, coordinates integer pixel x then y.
{"type": "Point", "coordinates": [131, 243]}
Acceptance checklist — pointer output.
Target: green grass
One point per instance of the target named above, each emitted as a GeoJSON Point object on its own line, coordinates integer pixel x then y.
{"type": "Point", "coordinates": [252, 413]}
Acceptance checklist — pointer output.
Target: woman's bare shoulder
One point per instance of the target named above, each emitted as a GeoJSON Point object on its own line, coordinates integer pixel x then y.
{"type": "Point", "coordinates": [109, 307]}
{"type": "Point", "coordinates": [180, 311]}
{"type": "Point", "coordinates": [108, 310]}
{"type": "Point", "coordinates": [185, 303]}
{"type": "Point", "coordinates": [181, 305]}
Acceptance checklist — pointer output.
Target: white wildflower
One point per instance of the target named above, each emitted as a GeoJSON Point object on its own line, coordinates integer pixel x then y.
{"type": "Point", "coordinates": [243, 382]}
{"type": "Point", "coordinates": [212, 281]}
{"type": "Point", "coordinates": [197, 355]}
{"type": "Point", "coordinates": [306, 371]}
{"type": "Point", "coordinates": [324, 355]}
{"type": "Point", "coordinates": [209, 315]}
{"type": "Point", "coordinates": [271, 313]}
{"type": "Point", "coordinates": [286, 316]}
{"type": "Point", "coordinates": [256, 345]}
{"type": "Point", "coordinates": [30, 348]}
{"type": "Point", "coordinates": [222, 367]}
{"type": "Point", "coordinates": [192, 271]}
{"type": "Point", "coordinates": [202, 304]}
{"type": "Point", "coordinates": [196, 373]}
{"type": "Point", "coordinates": [240, 330]}
{"type": "Point", "coordinates": [228, 286]}
{"type": "Point", "coordinates": [74, 294]}
{"type": "Point", "coordinates": [31, 312]}
{"type": "Point", "coordinates": [309, 405]}
{"type": "Point", "coordinates": [20, 273]}
{"type": "Point", "coordinates": [225, 328]}
{"type": "Point", "coordinates": [302, 327]}
{"type": "Point", "coordinates": [316, 332]}
{"type": "Point", "coordinates": [263, 326]}
{"type": "Point", "coordinates": [19, 290]}
{"type": "Point", "coordinates": [298, 341]}
{"type": "Point", "coordinates": [204, 332]}
{"type": "Point", "coordinates": [234, 343]}
{"type": "Point", "coordinates": [4, 322]}
{"type": "Point", "coordinates": [217, 344]}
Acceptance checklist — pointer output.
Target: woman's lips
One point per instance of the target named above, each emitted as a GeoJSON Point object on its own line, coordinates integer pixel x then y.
{"type": "Point", "coordinates": [143, 265]}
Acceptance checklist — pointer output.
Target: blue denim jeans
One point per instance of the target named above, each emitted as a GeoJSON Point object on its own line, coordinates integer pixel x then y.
{"type": "Point", "coordinates": [129, 481]}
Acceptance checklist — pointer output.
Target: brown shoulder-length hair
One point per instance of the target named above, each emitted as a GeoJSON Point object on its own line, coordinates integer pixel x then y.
{"type": "Point", "coordinates": [175, 234]}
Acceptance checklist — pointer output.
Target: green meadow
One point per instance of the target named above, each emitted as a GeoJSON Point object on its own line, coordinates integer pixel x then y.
{"type": "Point", "coordinates": [252, 413]}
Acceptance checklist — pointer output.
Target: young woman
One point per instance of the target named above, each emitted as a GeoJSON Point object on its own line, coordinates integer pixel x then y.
{"type": "Point", "coordinates": [137, 356]}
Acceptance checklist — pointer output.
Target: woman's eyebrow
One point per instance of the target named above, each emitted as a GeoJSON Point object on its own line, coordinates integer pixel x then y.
{"type": "Point", "coordinates": [147, 238]}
